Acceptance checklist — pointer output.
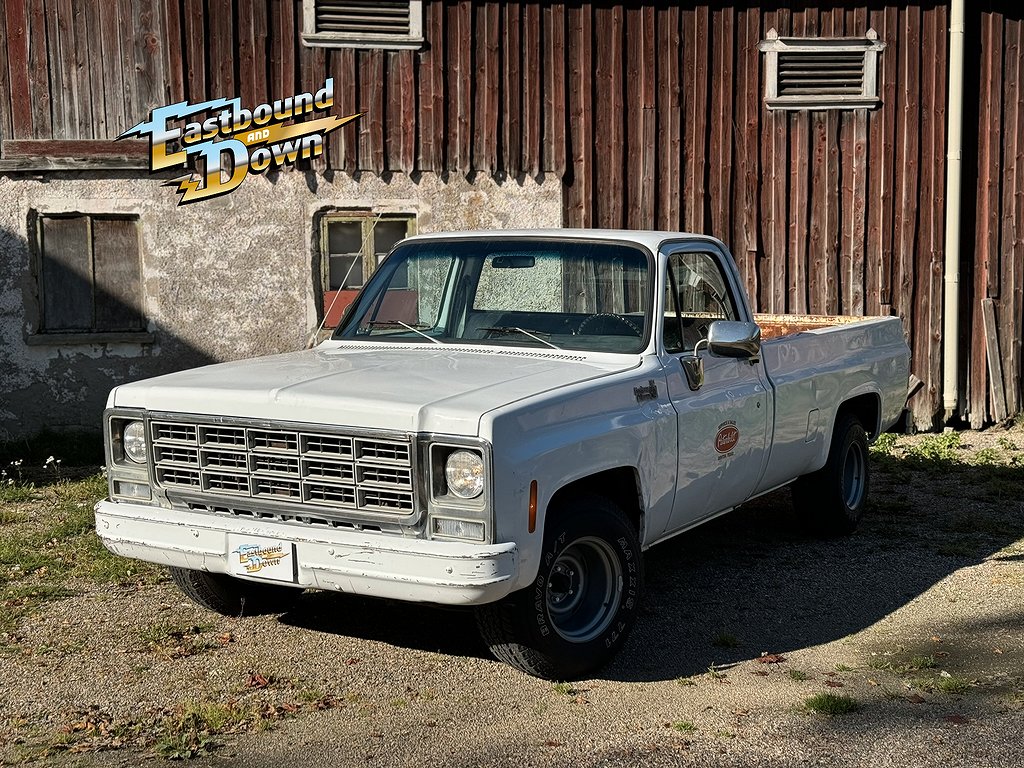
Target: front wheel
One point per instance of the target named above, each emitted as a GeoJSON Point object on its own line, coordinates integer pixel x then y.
{"type": "Point", "coordinates": [831, 501]}
{"type": "Point", "coordinates": [585, 599]}
{"type": "Point", "coordinates": [233, 597]}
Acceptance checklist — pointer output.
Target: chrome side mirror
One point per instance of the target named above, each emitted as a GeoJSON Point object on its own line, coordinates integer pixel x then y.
{"type": "Point", "coordinates": [730, 338]}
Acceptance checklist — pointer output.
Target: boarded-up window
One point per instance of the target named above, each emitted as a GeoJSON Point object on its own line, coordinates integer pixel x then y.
{"type": "Point", "coordinates": [353, 246]}
{"type": "Point", "coordinates": [89, 276]}
{"type": "Point", "coordinates": [362, 23]}
{"type": "Point", "coordinates": [821, 72]}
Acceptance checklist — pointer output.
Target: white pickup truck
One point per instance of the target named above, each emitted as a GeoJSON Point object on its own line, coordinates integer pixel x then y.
{"type": "Point", "coordinates": [504, 420]}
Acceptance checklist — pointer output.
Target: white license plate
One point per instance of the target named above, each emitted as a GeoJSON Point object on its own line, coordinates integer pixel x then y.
{"type": "Point", "coordinates": [261, 558]}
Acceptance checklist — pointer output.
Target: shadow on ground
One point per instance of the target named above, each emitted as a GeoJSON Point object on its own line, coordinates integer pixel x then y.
{"type": "Point", "coordinates": [752, 581]}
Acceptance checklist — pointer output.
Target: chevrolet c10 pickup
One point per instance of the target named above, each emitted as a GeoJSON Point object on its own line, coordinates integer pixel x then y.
{"type": "Point", "coordinates": [504, 420]}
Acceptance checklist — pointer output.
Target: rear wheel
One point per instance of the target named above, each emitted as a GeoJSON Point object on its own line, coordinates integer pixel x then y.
{"type": "Point", "coordinates": [233, 597]}
{"type": "Point", "coordinates": [577, 613]}
{"type": "Point", "coordinates": [831, 501]}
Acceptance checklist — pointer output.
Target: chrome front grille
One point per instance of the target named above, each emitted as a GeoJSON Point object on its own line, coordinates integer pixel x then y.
{"type": "Point", "coordinates": [279, 464]}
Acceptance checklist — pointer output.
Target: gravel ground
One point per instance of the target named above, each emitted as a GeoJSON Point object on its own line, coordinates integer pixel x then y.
{"type": "Point", "coordinates": [918, 618]}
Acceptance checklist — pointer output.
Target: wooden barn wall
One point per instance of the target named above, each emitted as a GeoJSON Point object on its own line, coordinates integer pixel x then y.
{"type": "Point", "coordinates": [996, 242]}
{"type": "Point", "coordinates": [652, 115]}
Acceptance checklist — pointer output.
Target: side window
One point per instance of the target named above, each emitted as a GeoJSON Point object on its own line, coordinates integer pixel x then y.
{"type": "Point", "coordinates": [89, 274]}
{"type": "Point", "coordinates": [352, 247]}
{"type": "Point", "coordinates": [697, 294]}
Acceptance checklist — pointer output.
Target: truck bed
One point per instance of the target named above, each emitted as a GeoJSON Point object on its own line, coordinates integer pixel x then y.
{"type": "Point", "coordinates": [775, 326]}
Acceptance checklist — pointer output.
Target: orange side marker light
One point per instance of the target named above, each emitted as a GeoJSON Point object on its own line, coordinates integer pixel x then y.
{"type": "Point", "coordinates": [533, 506]}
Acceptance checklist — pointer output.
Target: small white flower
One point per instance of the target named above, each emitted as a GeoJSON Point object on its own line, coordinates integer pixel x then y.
{"type": "Point", "coordinates": [49, 461]}
{"type": "Point", "coordinates": [16, 463]}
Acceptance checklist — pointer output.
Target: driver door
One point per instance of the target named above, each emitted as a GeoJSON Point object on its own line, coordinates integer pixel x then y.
{"type": "Point", "coordinates": [723, 424]}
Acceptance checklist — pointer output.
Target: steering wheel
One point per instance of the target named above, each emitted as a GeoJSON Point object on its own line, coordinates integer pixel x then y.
{"type": "Point", "coordinates": [625, 321]}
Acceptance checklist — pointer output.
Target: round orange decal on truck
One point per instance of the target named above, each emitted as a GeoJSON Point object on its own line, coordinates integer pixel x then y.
{"type": "Point", "coordinates": [727, 438]}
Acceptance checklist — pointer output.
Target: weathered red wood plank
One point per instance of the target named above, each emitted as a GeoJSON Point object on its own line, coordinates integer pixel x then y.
{"type": "Point", "coordinates": [125, 112]}
{"type": "Point", "coordinates": [83, 95]}
{"type": "Point", "coordinates": [221, 49]}
{"type": "Point", "coordinates": [344, 143]}
{"type": "Point", "coordinates": [6, 125]}
{"type": "Point", "coordinates": [26, 148]}
{"type": "Point", "coordinates": [149, 39]}
{"type": "Point", "coordinates": [174, 51]}
{"type": "Point", "coordinates": [370, 65]}
{"type": "Point", "coordinates": [488, 71]}
{"type": "Point", "coordinates": [59, 47]}
{"type": "Point", "coordinates": [749, 207]}
{"type": "Point", "coordinates": [608, 121]}
{"type": "Point", "coordinates": [557, 65]}
{"type": "Point", "coordinates": [95, 62]}
{"type": "Point", "coordinates": [989, 145]}
{"type": "Point", "coordinates": [669, 123]}
{"type": "Point", "coordinates": [510, 115]}
{"type": "Point", "coordinates": [195, 51]}
{"type": "Point", "coordinates": [112, 102]}
{"type": "Point", "coordinates": [647, 98]}
{"type": "Point", "coordinates": [723, 91]}
{"type": "Point", "coordinates": [907, 176]}
{"type": "Point", "coordinates": [246, 54]}
{"type": "Point", "coordinates": [695, 95]}
{"type": "Point", "coordinates": [887, 198]}
{"type": "Point", "coordinates": [532, 86]}
{"type": "Point", "coordinates": [578, 209]}
{"type": "Point", "coordinates": [1011, 327]}
{"type": "Point", "coordinates": [38, 74]}
{"type": "Point", "coordinates": [831, 222]}
{"type": "Point", "coordinates": [460, 78]}
{"type": "Point", "coordinates": [407, 102]}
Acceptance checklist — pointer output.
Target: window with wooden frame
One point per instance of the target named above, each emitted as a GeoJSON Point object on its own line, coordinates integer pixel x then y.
{"type": "Point", "coordinates": [89, 275]}
{"type": "Point", "coordinates": [362, 23]}
{"type": "Point", "coordinates": [821, 72]}
{"type": "Point", "coordinates": [352, 245]}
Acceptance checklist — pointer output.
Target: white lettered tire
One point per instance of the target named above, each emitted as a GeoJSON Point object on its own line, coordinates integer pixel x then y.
{"type": "Point", "coordinates": [579, 610]}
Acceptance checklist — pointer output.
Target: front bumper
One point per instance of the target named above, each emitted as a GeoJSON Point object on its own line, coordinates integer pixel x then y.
{"type": "Point", "coordinates": [415, 570]}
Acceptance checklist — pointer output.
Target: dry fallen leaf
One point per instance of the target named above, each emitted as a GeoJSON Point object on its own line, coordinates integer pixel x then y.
{"type": "Point", "coordinates": [256, 680]}
{"type": "Point", "coordinates": [915, 698]}
{"type": "Point", "coordinates": [833, 684]}
{"type": "Point", "coordinates": [956, 719]}
{"type": "Point", "coordinates": [771, 658]}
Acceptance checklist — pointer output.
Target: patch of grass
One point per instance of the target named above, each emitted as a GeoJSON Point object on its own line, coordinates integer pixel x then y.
{"type": "Point", "coordinates": [987, 457]}
{"type": "Point", "coordinates": [685, 681]}
{"type": "Point", "coordinates": [798, 675]}
{"type": "Point", "coordinates": [879, 661]}
{"type": "Point", "coordinates": [12, 493]}
{"type": "Point", "coordinates": [943, 683]}
{"type": "Point", "coordinates": [843, 668]}
{"type": "Point", "coordinates": [175, 641]}
{"type": "Point", "coordinates": [936, 449]}
{"type": "Point", "coordinates": [684, 726]}
{"type": "Point", "coordinates": [831, 704]}
{"type": "Point", "coordinates": [565, 689]}
{"type": "Point", "coordinates": [1007, 444]}
{"type": "Point", "coordinates": [714, 673]}
{"type": "Point", "coordinates": [725, 640]}
{"type": "Point", "coordinates": [885, 444]}
{"type": "Point", "coordinates": [921, 662]}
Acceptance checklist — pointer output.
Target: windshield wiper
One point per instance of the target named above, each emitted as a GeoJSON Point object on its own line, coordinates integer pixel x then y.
{"type": "Point", "coordinates": [516, 329]}
{"type": "Point", "coordinates": [399, 323]}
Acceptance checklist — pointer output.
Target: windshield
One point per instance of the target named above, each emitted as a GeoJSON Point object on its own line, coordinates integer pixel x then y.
{"type": "Point", "coordinates": [549, 294]}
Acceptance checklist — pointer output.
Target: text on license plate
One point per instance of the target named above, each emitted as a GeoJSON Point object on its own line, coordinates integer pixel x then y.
{"type": "Point", "coordinates": [261, 558]}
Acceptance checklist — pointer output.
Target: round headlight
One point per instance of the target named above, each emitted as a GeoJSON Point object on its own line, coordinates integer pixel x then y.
{"type": "Point", "coordinates": [134, 440]}
{"type": "Point", "coordinates": [464, 471]}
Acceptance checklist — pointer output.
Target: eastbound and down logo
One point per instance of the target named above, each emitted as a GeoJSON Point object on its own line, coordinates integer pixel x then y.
{"type": "Point", "coordinates": [221, 142]}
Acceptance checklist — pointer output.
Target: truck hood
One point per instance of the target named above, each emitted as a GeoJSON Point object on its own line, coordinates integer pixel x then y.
{"type": "Point", "coordinates": [402, 388]}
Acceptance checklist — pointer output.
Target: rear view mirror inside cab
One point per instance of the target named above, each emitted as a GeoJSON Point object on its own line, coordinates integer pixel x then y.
{"type": "Point", "coordinates": [513, 261]}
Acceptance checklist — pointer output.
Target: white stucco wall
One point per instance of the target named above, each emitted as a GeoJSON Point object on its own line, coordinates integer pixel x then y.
{"type": "Point", "coordinates": [222, 279]}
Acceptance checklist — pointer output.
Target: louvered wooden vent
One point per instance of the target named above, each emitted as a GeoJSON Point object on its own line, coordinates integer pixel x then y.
{"type": "Point", "coordinates": [812, 73]}
{"type": "Point", "coordinates": [821, 72]}
{"type": "Point", "coordinates": [363, 23]}
{"type": "Point", "coordinates": [363, 17]}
